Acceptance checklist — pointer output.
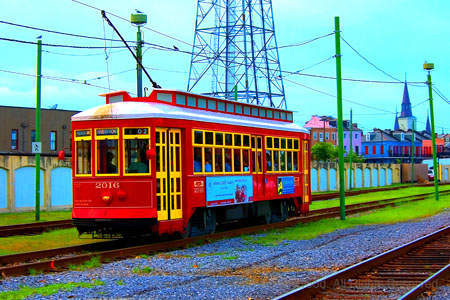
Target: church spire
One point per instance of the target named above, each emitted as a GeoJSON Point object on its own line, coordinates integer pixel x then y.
{"type": "Point", "coordinates": [428, 128]}
{"type": "Point", "coordinates": [396, 127]}
{"type": "Point", "coordinates": [406, 104]}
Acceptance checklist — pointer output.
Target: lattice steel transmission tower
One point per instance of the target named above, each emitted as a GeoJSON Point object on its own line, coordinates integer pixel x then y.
{"type": "Point", "coordinates": [235, 53]}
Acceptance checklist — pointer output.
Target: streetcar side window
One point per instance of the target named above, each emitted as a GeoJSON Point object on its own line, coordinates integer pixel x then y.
{"type": "Point", "coordinates": [282, 154]}
{"type": "Point", "coordinates": [83, 157]}
{"type": "Point", "coordinates": [136, 141]}
{"type": "Point", "coordinates": [221, 152]}
{"type": "Point", "coordinates": [107, 151]}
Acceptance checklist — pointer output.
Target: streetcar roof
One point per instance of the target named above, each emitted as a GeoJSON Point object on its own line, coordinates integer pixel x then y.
{"type": "Point", "coordinates": [142, 110]}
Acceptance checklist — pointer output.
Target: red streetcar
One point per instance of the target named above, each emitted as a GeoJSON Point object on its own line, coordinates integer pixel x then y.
{"type": "Point", "coordinates": [181, 162]}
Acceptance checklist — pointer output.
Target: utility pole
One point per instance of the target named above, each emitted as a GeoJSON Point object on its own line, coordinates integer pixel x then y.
{"type": "Point", "coordinates": [351, 148]}
{"type": "Point", "coordinates": [36, 148]}
{"type": "Point", "coordinates": [337, 34]}
{"type": "Point", "coordinates": [412, 153]}
{"type": "Point", "coordinates": [429, 67]}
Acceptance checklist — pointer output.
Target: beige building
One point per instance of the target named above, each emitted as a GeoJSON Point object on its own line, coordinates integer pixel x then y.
{"type": "Point", "coordinates": [18, 129]}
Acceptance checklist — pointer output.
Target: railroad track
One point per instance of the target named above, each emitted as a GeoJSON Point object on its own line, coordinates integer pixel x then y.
{"type": "Point", "coordinates": [33, 228]}
{"type": "Point", "coordinates": [52, 260]}
{"type": "Point", "coordinates": [328, 196]}
{"type": "Point", "coordinates": [402, 273]}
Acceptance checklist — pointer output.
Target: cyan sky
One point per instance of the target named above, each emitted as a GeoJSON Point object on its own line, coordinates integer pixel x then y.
{"type": "Point", "coordinates": [395, 35]}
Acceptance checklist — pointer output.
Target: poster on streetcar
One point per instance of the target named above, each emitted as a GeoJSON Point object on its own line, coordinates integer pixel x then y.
{"type": "Point", "coordinates": [286, 185]}
{"type": "Point", "coordinates": [228, 190]}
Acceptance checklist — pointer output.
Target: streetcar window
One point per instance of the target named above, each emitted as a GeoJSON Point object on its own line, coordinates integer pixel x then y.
{"type": "Point", "coordinates": [295, 161]}
{"type": "Point", "coordinates": [198, 137]}
{"type": "Point", "coordinates": [282, 160]}
{"type": "Point", "coordinates": [276, 143]}
{"type": "Point", "coordinates": [208, 160]}
{"type": "Point", "coordinates": [191, 101]}
{"type": "Point", "coordinates": [275, 161]}
{"type": "Point", "coordinates": [246, 110]}
{"type": "Point", "coordinates": [135, 158]}
{"type": "Point", "coordinates": [212, 104]}
{"type": "Point", "coordinates": [107, 156]}
{"type": "Point", "coordinates": [237, 160]}
{"type": "Point", "coordinates": [238, 109]}
{"type": "Point", "coordinates": [107, 151]}
{"type": "Point", "coordinates": [269, 160]}
{"type": "Point", "coordinates": [219, 138]}
{"type": "Point", "coordinates": [289, 116]}
{"type": "Point", "coordinates": [276, 114]}
{"type": "Point", "coordinates": [228, 162]}
{"type": "Point", "coordinates": [262, 112]}
{"type": "Point", "coordinates": [181, 99]}
{"type": "Point", "coordinates": [230, 107]}
{"type": "Point", "coordinates": [283, 143]}
{"type": "Point", "coordinates": [201, 103]}
{"type": "Point", "coordinates": [246, 140]}
{"type": "Point", "coordinates": [289, 161]}
{"type": "Point", "coordinates": [164, 97]}
{"type": "Point", "coordinates": [228, 139]}
{"type": "Point", "coordinates": [259, 143]}
{"type": "Point", "coordinates": [269, 142]}
{"type": "Point", "coordinates": [209, 138]}
{"type": "Point", "coordinates": [269, 113]}
{"type": "Point", "coordinates": [289, 143]}
{"type": "Point", "coordinates": [296, 144]}
{"type": "Point", "coordinates": [245, 160]}
{"type": "Point", "coordinates": [283, 116]}
{"type": "Point", "coordinates": [254, 111]}
{"type": "Point", "coordinates": [237, 140]}
{"type": "Point", "coordinates": [218, 160]}
{"type": "Point", "coordinates": [83, 158]}
{"type": "Point", "coordinates": [198, 166]}
{"type": "Point", "coordinates": [220, 106]}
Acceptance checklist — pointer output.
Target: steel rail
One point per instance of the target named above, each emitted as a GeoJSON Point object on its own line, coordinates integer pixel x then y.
{"type": "Point", "coordinates": [339, 278]}
{"type": "Point", "coordinates": [53, 264]}
{"type": "Point", "coordinates": [32, 228]}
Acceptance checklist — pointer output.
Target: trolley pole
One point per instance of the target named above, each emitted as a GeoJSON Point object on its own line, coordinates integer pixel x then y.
{"type": "Point", "coordinates": [429, 67]}
{"type": "Point", "coordinates": [412, 152]}
{"type": "Point", "coordinates": [340, 118]}
{"type": "Point", "coordinates": [351, 149]}
{"type": "Point", "coordinates": [37, 150]}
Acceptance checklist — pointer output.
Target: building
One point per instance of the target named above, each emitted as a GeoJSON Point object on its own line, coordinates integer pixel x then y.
{"type": "Point", "coordinates": [392, 146]}
{"type": "Point", "coordinates": [321, 130]}
{"type": "Point", "coordinates": [19, 129]}
{"type": "Point", "coordinates": [356, 139]}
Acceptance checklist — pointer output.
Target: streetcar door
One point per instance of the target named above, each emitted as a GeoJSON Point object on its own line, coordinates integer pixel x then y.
{"type": "Point", "coordinates": [258, 177]}
{"type": "Point", "coordinates": [168, 173]}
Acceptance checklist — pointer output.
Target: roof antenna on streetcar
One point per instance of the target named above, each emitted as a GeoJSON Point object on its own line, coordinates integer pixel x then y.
{"type": "Point", "coordinates": [154, 84]}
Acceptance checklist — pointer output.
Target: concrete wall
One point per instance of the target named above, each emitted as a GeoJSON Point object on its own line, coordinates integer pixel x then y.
{"type": "Point", "coordinates": [325, 176]}
{"type": "Point", "coordinates": [17, 183]}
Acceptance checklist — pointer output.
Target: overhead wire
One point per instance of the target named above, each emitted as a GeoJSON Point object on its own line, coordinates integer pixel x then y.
{"type": "Point", "coordinates": [304, 42]}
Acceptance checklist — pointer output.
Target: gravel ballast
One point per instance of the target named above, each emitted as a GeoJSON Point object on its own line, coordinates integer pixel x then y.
{"type": "Point", "coordinates": [234, 268]}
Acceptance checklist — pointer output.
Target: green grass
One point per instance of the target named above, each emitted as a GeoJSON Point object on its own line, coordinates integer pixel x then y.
{"type": "Point", "coordinates": [232, 257]}
{"type": "Point", "coordinates": [377, 196]}
{"type": "Point", "coordinates": [365, 188]}
{"type": "Point", "coordinates": [47, 290]}
{"type": "Point", "coordinates": [388, 215]}
{"type": "Point", "coordinates": [30, 217]}
{"type": "Point", "coordinates": [140, 271]}
{"type": "Point", "coordinates": [94, 262]}
{"type": "Point", "coordinates": [46, 240]}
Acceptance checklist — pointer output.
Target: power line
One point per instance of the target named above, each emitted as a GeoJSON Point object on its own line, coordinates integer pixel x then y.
{"type": "Point", "coordinates": [119, 17]}
{"type": "Point", "coordinates": [304, 42]}
{"type": "Point", "coordinates": [93, 54]}
{"type": "Point", "coordinates": [59, 46]}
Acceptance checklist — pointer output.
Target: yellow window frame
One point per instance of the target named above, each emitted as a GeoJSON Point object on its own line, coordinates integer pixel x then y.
{"type": "Point", "coordinates": [137, 137]}
{"type": "Point", "coordinates": [102, 138]}
{"type": "Point", "coordinates": [287, 151]}
{"type": "Point", "coordinates": [78, 139]}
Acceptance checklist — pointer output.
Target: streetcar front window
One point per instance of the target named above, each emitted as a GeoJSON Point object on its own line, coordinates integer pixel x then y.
{"type": "Point", "coordinates": [136, 142]}
{"type": "Point", "coordinates": [83, 155]}
{"type": "Point", "coordinates": [83, 159]}
{"type": "Point", "coordinates": [107, 151]}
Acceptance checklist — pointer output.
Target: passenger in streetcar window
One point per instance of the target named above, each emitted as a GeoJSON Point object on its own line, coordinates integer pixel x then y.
{"type": "Point", "coordinates": [208, 167]}
{"type": "Point", "coordinates": [197, 159]}
{"type": "Point", "coordinates": [227, 160]}
{"type": "Point", "coordinates": [141, 166]}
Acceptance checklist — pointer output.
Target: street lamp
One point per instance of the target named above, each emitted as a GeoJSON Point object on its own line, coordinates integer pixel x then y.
{"type": "Point", "coordinates": [138, 19]}
{"type": "Point", "coordinates": [429, 67]}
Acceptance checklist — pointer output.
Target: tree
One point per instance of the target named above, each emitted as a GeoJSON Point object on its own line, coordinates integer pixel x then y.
{"type": "Point", "coordinates": [323, 152]}
{"type": "Point", "coordinates": [355, 158]}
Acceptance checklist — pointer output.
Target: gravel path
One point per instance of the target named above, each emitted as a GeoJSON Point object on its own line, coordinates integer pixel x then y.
{"type": "Point", "coordinates": [235, 268]}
